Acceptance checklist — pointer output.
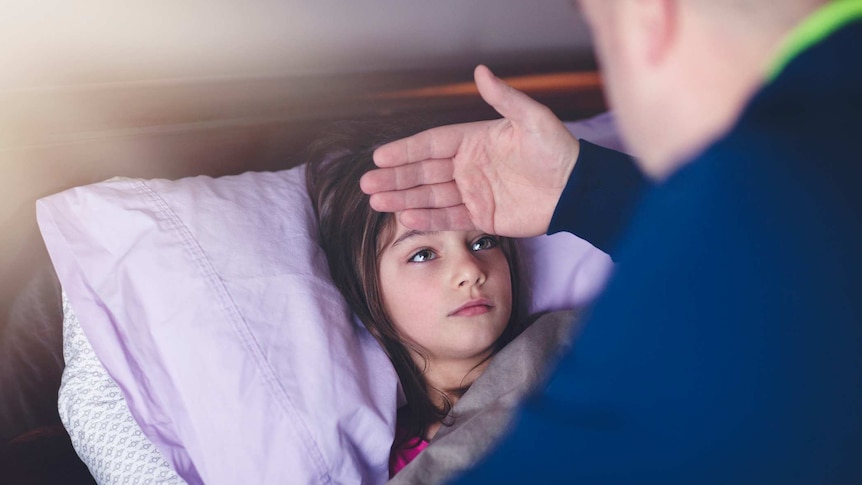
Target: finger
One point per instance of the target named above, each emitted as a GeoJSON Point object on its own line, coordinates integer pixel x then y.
{"type": "Point", "coordinates": [439, 142]}
{"type": "Point", "coordinates": [447, 219]}
{"type": "Point", "coordinates": [407, 176]}
{"type": "Point", "coordinates": [508, 101]}
{"type": "Point", "coordinates": [422, 197]}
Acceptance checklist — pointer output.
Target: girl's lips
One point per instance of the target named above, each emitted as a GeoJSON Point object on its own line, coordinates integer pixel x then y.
{"type": "Point", "coordinates": [473, 308]}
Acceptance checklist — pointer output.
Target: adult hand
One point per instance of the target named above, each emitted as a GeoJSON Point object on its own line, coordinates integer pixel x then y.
{"type": "Point", "coordinates": [502, 176]}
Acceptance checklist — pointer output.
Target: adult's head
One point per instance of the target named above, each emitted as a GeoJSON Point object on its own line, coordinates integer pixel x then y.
{"type": "Point", "coordinates": [678, 72]}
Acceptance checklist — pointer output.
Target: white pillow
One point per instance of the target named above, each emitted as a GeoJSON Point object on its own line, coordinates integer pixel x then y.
{"type": "Point", "coordinates": [94, 412]}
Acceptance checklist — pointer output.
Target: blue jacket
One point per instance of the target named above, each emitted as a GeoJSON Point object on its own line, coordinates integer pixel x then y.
{"type": "Point", "coordinates": [727, 346]}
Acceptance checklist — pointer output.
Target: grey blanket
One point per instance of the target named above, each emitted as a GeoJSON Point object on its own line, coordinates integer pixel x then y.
{"type": "Point", "coordinates": [482, 415]}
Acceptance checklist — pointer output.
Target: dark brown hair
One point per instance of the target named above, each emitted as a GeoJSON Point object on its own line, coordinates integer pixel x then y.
{"type": "Point", "coordinates": [350, 235]}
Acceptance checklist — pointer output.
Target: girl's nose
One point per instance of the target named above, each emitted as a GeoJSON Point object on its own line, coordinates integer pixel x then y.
{"type": "Point", "coordinates": [468, 272]}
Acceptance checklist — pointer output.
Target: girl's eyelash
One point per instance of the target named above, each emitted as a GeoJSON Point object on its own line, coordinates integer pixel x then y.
{"type": "Point", "coordinates": [492, 241]}
{"type": "Point", "coordinates": [430, 253]}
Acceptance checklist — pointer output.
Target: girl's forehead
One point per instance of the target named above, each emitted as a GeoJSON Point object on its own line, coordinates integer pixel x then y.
{"type": "Point", "coordinates": [399, 230]}
{"type": "Point", "coordinates": [396, 235]}
{"type": "Point", "coordinates": [405, 236]}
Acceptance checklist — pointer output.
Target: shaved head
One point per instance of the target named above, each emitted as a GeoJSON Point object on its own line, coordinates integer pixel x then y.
{"type": "Point", "coordinates": [764, 14]}
{"type": "Point", "coordinates": [679, 72]}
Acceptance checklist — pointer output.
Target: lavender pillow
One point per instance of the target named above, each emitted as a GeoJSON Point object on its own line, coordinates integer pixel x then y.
{"type": "Point", "coordinates": [208, 301]}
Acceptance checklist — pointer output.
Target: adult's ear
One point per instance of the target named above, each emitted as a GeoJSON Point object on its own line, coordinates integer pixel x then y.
{"type": "Point", "coordinates": [651, 28]}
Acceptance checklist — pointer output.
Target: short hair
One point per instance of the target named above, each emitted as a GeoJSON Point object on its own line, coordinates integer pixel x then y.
{"type": "Point", "coordinates": [770, 15]}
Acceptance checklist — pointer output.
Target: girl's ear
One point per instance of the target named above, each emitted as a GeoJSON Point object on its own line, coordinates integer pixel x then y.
{"type": "Point", "coordinates": [650, 29]}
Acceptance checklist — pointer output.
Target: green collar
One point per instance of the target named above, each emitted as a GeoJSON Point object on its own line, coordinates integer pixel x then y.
{"type": "Point", "coordinates": [823, 22]}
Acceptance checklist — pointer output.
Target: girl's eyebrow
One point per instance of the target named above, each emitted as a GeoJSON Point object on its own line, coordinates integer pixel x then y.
{"type": "Point", "coordinates": [412, 233]}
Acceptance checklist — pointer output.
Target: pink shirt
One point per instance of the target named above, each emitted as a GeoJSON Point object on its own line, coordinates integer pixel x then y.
{"type": "Point", "coordinates": [399, 458]}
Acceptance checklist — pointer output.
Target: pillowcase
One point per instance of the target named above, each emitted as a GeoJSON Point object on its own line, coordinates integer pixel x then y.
{"type": "Point", "coordinates": [209, 303]}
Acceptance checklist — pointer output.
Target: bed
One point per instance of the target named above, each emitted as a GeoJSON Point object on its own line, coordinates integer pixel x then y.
{"type": "Point", "coordinates": [214, 342]}
{"type": "Point", "coordinates": [167, 295]}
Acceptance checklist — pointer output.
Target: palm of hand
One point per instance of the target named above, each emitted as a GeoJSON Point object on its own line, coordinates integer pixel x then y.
{"type": "Point", "coordinates": [503, 176]}
{"type": "Point", "coordinates": [510, 177]}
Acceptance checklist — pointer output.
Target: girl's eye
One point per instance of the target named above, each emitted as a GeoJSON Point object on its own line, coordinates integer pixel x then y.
{"type": "Point", "coordinates": [422, 256]}
{"type": "Point", "coordinates": [484, 242]}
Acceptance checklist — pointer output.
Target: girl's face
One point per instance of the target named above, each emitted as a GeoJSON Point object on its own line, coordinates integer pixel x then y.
{"type": "Point", "coordinates": [449, 292]}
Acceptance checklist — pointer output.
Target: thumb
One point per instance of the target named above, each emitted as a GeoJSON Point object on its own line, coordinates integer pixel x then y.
{"type": "Point", "coordinates": [508, 101]}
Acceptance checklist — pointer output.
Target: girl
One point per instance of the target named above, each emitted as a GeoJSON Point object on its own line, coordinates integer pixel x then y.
{"type": "Point", "coordinates": [441, 304]}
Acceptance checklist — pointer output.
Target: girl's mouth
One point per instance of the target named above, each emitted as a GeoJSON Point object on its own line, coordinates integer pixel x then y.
{"type": "Point", "coordinates": [473, 308]}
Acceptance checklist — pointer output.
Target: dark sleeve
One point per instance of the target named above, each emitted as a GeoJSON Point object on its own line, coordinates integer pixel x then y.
{"type": "Point", "coordinates": [725, 348]}
{"type": "Point", "coordinates": [600, 197]}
